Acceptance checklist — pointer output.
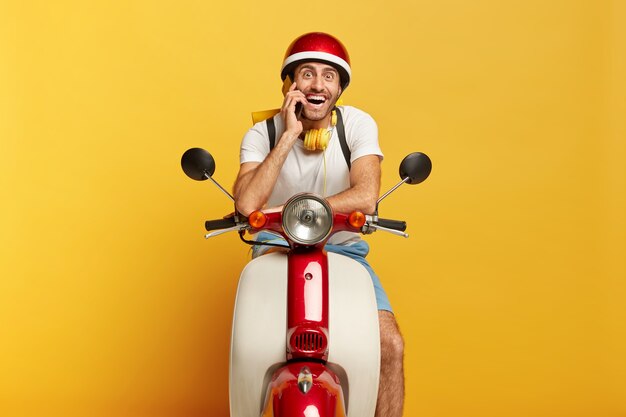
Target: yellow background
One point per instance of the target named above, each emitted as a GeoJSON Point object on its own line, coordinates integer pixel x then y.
{"type": "Point", "coordinates": [510, 291]}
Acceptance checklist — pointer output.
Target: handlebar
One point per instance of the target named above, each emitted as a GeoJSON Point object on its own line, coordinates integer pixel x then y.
{"type": "Point", "coordinates": [392, 224]}
{"type": "Point", "coordinates": [219, 224]}
{"type": "Point", "coordinates": [228, 224]}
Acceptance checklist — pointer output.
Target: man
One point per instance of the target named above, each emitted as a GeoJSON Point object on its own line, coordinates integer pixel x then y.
{"type": "Point", "coordinates": [347, 172]}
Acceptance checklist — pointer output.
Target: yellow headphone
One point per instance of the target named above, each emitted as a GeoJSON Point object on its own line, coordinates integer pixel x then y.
{"type": "Point", "coordinates": [317, 139]}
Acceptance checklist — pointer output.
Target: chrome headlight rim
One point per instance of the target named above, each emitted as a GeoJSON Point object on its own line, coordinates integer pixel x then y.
{"type": "Point", "coordinates": [327, 216]}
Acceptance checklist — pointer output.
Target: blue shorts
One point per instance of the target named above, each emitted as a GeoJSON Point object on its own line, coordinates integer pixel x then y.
{"type": "Point", "coordinates": [357, 251]}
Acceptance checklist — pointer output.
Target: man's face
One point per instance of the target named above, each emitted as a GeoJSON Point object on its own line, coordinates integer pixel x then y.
{"type": "Point", "coordinates": [321, 87]}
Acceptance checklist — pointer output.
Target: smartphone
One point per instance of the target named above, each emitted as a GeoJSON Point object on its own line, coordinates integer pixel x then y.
{"type": "Point", "coordinates": [298, 110]}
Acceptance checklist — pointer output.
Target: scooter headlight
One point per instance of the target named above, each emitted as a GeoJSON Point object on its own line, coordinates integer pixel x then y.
{"type": "Point", "coordinates": [307, 219]}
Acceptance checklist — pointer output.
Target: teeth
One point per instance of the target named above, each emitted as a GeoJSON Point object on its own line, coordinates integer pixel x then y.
{"type": "Point", "coordinates": [320, 98]}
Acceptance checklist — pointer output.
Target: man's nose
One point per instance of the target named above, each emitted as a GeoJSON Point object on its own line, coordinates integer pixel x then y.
{"type": "Point", "coordinates": [318, 85]}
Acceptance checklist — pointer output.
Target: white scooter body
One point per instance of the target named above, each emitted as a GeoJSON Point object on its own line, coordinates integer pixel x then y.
{"type": "Point", "coordinates": [259, 336]}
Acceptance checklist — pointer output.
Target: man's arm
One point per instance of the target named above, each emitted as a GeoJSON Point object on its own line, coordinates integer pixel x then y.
{"type": "Point", "coordinates": [364, 187]}
{"type": "Point", "coordinates": [255, 180]}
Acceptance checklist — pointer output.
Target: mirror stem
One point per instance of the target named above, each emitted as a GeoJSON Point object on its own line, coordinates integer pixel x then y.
{"type": "Point", "coordinates": [219, 186]}
{"type": "Point", "coordinates": [395, 187]}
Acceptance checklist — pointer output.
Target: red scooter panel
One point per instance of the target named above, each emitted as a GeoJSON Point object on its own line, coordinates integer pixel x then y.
{"type": "Point", "coordinates": [307, 304]}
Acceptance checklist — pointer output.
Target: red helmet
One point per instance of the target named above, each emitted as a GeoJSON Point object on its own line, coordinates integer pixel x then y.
{"type": "Point", "coordinates": [320, 47]}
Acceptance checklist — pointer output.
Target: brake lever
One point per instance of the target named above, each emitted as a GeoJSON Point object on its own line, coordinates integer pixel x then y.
{"type": "Point", "coordinates": [235, 228]}
{"type": "Point", "coordinates": [385, 229]}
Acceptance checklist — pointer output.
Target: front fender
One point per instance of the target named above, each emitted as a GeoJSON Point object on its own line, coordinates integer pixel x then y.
{"type": "Point", "coordinates": [259, 335]}
{"type": "Point", "coordinates": [288, 397]}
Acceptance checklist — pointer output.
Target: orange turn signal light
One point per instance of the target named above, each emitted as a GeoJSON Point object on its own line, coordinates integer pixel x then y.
{"type": "Point", "coordinates": [356, 219]}
{"type": "Point", "coordinates": [257, 219]}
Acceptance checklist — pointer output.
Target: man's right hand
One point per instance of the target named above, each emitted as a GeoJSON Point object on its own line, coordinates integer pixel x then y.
{"type": "Point", "coordinates": [293, 126]}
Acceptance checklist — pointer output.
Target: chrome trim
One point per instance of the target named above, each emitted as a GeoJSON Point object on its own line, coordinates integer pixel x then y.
{"type": "Point", "coordinates": [305, 380]}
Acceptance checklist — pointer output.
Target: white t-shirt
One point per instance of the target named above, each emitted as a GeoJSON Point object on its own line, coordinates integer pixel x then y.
{"type": "Point", "coordinates": [303, 171]}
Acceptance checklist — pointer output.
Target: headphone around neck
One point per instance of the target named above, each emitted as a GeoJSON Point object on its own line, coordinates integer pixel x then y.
{"type": "Point", "coordinates": [318, 139]}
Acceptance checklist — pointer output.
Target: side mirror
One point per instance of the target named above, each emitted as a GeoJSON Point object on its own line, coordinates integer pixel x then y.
{"type": "Point", "coordinates": [416, 166]}
{"type": "Point", "coordinates": [198, 164]}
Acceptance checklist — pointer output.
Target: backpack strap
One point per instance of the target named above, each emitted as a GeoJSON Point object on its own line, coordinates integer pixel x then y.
{"type": "Point", "coordinates": [341, 132]}
{"type": "Point", "coordinates": [271, 131]}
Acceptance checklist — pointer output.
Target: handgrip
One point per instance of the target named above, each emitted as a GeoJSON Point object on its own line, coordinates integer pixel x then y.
{"type": "Point", "coordinates": [219, 224]}
{"type": "Point", "coordinates": [392, 224]}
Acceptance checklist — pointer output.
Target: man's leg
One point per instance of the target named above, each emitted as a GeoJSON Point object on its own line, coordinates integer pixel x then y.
{"type": "Point", "coordinates": [391, 387]}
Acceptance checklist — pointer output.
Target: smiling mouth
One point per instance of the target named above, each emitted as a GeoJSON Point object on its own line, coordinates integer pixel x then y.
{"type": "Point", "coordinates": [316, 100]}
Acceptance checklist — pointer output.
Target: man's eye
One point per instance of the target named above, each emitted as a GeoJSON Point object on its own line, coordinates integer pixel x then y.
{"type": "Point", "coordinates": [330, 76]}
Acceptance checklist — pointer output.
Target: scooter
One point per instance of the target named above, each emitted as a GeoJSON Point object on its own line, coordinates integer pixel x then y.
{"type": "Point", "coordinates": [305, 336]}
